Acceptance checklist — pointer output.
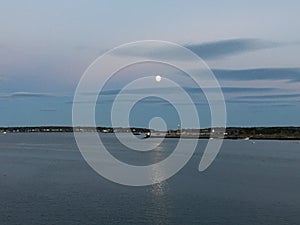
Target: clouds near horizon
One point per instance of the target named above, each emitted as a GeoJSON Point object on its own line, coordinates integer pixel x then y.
{"type": "Point", "coordinates": [223, 48]}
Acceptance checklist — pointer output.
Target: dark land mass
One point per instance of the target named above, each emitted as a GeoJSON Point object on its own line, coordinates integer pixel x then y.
{"type": "Point", "coordinates": [284, 133]}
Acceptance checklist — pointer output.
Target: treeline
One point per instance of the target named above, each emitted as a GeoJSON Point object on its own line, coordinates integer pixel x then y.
{"type": "Point", "coordinates": [264, 132]}
{"type": "Point", "coordinates": [230, 132]}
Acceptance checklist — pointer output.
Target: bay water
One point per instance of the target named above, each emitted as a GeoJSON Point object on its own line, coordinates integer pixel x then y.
{"type": "Point", "coordinates": [45, 180]}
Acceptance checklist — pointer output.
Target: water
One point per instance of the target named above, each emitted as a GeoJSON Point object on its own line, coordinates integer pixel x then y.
{"type": "Point", "coordinates": [44, 180]}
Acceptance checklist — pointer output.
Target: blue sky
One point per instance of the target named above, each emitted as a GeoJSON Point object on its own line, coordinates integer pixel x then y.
{"type": "Point", "coordinates": [253, 47]}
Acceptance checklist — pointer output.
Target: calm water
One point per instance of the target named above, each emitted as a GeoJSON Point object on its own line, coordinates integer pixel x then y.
{"type": "Point", "coordinates": [44, 180]}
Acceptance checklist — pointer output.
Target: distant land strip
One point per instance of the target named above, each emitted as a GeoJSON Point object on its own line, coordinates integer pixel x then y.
{"type": "Point", "coordinates": [279, 133]}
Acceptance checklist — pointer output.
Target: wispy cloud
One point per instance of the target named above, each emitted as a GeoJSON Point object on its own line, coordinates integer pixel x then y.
{"type": "Point", "coordinates": [291, 74]}
{"type": "Point", "coordinates": [207, 51]}
{"type": "Point", "coordinates": [48, 110]}
{"type": "Point", "coordinates": [171, 90]}
{"type": "Point", "coordinates": [262, 103]}
{"type": "Point", "coordinates": [26, 95]}
{"type": "Point", "coordinates": [196, 93]}
{"type": "Point", "coordinates": [273, 96]}
{"type": "Point", "coordinates": [223, 48]}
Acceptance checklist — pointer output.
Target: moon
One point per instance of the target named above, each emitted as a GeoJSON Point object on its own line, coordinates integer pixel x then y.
{"type": "Point", "coordinates": [158, 78]}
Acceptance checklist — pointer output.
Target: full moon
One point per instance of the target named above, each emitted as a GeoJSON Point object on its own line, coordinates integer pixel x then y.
{"type": "Point", "coordinates": [158, 78]}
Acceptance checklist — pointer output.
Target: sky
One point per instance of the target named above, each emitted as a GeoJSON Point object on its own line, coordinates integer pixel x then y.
{"type": "Point", "coordinates": [252, 47]}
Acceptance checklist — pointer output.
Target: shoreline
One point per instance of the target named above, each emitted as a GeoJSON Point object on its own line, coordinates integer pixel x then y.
{"type": "Point", "coordinates": [237, 138]}
{"type": "Point", "coordinates": [184, 137]}
{"type": "Point", "coordinates": [233, 133]}
{"type": "Point", "coordinates": [236, 133]}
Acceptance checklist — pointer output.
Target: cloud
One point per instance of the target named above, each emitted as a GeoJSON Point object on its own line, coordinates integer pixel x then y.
{"type": "Point", "coordinates": [238, 90]}
{"type": "Point", "coordinates": [291, 74]}
{"type": "Point", "coordinates": [263, 103]}
{"type": "Point", "coordinates": [196, 93]}
{"type": "Point", "coordinates": [48, 110]}
{"type": "Point", "coordinates": [26, 95]}
{"type": "Point", "coordinates": [274, 96]}
{"type": "Point", "coordinates": [287, 100]}
{"type": "Point", "coordinates": [190, 90]}
{"type": "Point", "coordinates": [207, 51]}
{"type": "Point", "coordinates": [223, 48]}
